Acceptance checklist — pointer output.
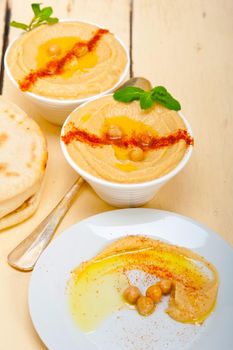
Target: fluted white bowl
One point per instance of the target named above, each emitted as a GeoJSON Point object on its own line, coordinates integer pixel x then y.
{"type": "Point", "coordinates": [56, 110]}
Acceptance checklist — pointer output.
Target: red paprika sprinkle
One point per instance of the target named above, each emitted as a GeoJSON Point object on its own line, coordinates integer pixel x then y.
{"type": "Point", "coordinates": [76, 134]}
{"type": "Point", "coordinates": [57, 66]}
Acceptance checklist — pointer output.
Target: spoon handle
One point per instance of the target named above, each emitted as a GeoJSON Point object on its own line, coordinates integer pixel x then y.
{"type": "Point", "coordinates": [138, 82]}
{"type": "Point", "coordinates": [25, 255]}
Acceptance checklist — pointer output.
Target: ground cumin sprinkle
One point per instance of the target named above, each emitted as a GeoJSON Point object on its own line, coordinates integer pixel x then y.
{"type": "Point", "coordinates": [57, 66]}
{"type": "Point", "coordinates": [76, 134]}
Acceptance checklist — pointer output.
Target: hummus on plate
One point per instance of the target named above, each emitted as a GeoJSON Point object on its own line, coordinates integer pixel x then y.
{"type": "Point", "coordinates": [95, 69]}
{"type": "Point", "coordinates": [96, 286]}
{"type": "Point", "coordinates": [122, 143]}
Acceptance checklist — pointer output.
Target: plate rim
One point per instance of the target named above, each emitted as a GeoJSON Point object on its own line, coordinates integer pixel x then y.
{"type": "Point", "coordinates": [172, 213]}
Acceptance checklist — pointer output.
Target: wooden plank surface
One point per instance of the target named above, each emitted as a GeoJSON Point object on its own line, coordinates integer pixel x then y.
{"type": "Point", "coordinates": [186, 46]}
{"type": "Point", "coordinates": [2, 26]}
{"type": "Point", "coordinates": [59, 177]}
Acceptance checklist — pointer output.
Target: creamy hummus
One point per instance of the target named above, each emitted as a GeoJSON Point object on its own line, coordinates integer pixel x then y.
{"type": "Point", "coordinates": [113, 163]}
{"type": "Point", "coordinates": [96, 286]}
{"type": "Point", "coordinates": [94, 72]}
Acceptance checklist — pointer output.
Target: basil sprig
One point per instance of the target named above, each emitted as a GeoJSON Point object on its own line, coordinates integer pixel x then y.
{"type": "Point", "coordinates": [147, 98]}
{"type": "Point", "coordinates": [41, 16]}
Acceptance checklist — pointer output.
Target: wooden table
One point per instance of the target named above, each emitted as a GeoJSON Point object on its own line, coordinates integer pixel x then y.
{"type": "Point", "coordinates": [185, 45]}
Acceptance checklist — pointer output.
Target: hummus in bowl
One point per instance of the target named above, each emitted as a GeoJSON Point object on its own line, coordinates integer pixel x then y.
{"type": "Point", "coordinates": [95, 64]}
{"type": "Point", "coordinates": [123, 143]}
{"type": "Point", "coordinates": [113, 146]}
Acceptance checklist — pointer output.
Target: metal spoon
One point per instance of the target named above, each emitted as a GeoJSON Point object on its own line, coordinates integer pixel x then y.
{"type": "Point", "coordinates": [25, 255]}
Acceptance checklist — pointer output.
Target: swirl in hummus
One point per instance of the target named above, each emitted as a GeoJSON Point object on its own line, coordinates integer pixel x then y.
{"type": "Point", "coordinates": [86, 73]}
{"type": "Point", "coordinates": [134, 145]}
{"type": "Point", "coordinates": [96, 286]}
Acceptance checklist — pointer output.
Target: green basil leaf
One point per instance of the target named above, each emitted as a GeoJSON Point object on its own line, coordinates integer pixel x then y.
{"type": "Point", "coordinates": [38, 24]}
{"type": "Point", "coordinates": [19, 25]}
{"type": "Point", "coordinates": [160, 90]}
{"type": "Point", "coordinates": [168, 102]}
{"type": "Point", "coordinates": [45, 13]}
{"type": "Point", "coordinates": [128, 94]}
{"type": "Point", "coordinates": [161, 95]}
{"type": "Point", "coordinates": [36, 9]}
{"type": "Point", "coordinates": [173, 104]}
{"type": "Point", "coordinates": [146, 100]}
{"type": "Point", "coordinates": [52, 20]}
{"type": "Point", "coordinates": [41, 16]}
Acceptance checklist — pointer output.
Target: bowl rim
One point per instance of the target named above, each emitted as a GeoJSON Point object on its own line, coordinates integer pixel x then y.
{"type": "Point", "coordinates": [117, 185]}
{"type": "Point", "coordinates": [69, 101]}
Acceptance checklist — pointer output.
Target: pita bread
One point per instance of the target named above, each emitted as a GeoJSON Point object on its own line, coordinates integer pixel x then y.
{"type": "Point", "coordinates": [23, 158]}
{"type": "Point", "coordinates": [26, 210]}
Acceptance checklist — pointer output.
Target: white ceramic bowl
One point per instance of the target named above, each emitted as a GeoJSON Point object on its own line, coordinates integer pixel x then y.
{"type": "Point", "coordinates": [126, 195]}
{"type": "Point", "coordinates": [57, 110]}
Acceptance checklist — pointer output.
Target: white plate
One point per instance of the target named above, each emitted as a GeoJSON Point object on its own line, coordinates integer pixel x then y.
{"type": "Point", "coordinates": [126, 330]}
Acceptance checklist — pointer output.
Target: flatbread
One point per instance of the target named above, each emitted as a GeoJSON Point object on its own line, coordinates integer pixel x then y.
{"type": "Point", "coordinates": [23, 159]}
{"type": "Point", "coordinates": [22, 213]}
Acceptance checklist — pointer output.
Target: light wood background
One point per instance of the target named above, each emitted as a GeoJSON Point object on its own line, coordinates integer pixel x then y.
{"type": "Point", "coordinates": [186, 45]}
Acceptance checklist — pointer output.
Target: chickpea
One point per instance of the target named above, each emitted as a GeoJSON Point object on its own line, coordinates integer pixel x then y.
{"type": "Point", "coordinates": [72, 63]}
{"type": "Point", "coordinates": [165, 286]}
{"type": "Point", "coordinates": [80, 50]}
{"type": "Point", "coordinates": [136, 154]}
{"type": "Point", "coordinates": [52, 67]}
{"type": "Point", "coordinates": [114, 132]}
{"type": "Point", "coordinates": [145, 139]}
{"type": "Point", "coordinates": [145, 306]}
{"type": "Point", "coordinates": [54, 50]}
{"type": "Point", "coordinates": [131, 294]}
{"type": "Point", "coordinates": [154, 292]}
